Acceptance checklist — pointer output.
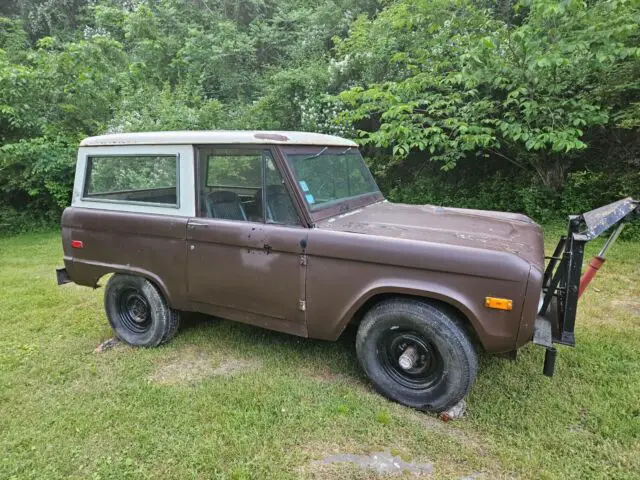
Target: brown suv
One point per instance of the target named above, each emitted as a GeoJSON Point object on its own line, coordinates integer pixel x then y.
{"type": "Point", "coordinates": [288, 231]}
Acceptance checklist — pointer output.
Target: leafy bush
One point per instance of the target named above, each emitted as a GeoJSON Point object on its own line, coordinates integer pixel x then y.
{"type": "Point", "coordinates": [13, 221]}
{"type": "Point", "coordinates": [513, 191]}
{"type": "Point", "coordinates": [36, 179]}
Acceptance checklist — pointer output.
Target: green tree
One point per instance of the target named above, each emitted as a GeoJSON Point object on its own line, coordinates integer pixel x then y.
{"type": "Point", "coordinates": [545, 93]}
{"type": "Point", "coordinates": [457, 81]}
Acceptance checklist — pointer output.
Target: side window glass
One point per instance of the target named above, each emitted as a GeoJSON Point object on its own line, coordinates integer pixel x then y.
{"type": "Point", "coordinates": [232, 186]}
{"type": "Point", "coordinates": [148, 179]}
{"type": "Point", "coordinates": [280, 208]}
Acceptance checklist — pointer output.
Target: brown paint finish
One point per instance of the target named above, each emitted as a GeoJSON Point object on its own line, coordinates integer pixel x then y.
{"type": "Point", "coordinates": [311, 280]}
{"type": "Point", "coordinates": [249, 267]}
{"type": "Point", "coordinates": [455, 227]}
{"type": "Point", "coordinates": [145, 244]}
{"type": "Point", "coordinates": [360, 267]}
{"type": "Point", "coordinates": [453, 255]}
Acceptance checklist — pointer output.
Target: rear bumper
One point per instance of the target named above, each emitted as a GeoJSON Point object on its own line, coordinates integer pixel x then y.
{"type": "Point", "coordinates": [62, 276]}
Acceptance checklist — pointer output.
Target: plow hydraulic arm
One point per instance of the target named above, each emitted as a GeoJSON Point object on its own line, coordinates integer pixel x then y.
{"type": "Point", "coordinates": [596, 262]}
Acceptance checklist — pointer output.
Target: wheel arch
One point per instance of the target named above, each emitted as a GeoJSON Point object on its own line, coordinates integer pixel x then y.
{"type": "Point", "coordinates": [90, 274]}
{"type": "Point", "coordinates": [154, 279]}
{"type": "Point", "coordinates": [365, 302]}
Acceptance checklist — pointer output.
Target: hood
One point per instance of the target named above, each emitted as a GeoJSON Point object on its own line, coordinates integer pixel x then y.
{"type": "Point", "coordinates": [499, 231]}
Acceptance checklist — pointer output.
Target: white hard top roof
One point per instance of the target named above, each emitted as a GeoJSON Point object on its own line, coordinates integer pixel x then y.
{"type": "Point", "coordinates": [218, 137]}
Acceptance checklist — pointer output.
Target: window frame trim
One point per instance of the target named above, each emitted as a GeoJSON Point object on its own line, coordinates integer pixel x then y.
{"type": "Point", "coordinates": [187, 201]}
{"type": "Point", "coordinates": [201, 150]}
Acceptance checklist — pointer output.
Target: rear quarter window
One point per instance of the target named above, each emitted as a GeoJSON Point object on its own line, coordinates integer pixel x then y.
{"type": "Point", "coordinates": [146, 179]}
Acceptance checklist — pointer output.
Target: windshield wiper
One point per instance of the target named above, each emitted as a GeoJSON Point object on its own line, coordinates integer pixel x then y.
{"type": "Point", "coordinates": [315, 155]}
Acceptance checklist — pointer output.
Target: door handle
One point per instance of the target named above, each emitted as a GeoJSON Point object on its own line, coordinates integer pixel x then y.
{"type": "Point", "coordinates": [196, 224]}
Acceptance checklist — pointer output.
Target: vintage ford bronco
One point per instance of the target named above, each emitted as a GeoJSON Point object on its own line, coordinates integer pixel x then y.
{"type": "Point", "coordinates": [289, 231]}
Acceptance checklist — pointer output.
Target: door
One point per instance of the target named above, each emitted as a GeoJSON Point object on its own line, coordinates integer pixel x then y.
{"type": "Point", "coordinates": [244, 248]}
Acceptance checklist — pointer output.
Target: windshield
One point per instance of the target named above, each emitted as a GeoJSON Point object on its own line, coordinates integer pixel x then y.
{"type": "Point", "coordinates": [329, 175]}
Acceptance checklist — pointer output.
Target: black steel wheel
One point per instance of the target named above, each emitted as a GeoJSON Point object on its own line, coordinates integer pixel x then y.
{"type": "Point", "coordinates": [417, 353]}
{"type": "Point", "coordinates": [426, 367]}
{"type": "Point", "coordinates": [134, 311]}
{"type": "Point", "coordinates": [138, 312]}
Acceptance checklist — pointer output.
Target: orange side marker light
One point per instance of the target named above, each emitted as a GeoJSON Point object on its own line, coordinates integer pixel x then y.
{"type": "Point", "coordinates": [498, 303]}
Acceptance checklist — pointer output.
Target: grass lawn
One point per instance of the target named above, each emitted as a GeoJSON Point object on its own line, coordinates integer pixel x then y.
{"type": "Point", "coordinates": [225, 400]}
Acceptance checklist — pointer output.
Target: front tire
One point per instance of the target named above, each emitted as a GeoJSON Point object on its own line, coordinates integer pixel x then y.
{"type": "Point", "coordinates": [417, 354]}
{"type": "Point", "coordinates": [138, 312]}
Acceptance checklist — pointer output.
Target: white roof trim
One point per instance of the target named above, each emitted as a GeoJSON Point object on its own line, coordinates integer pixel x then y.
{"type": "Point", "coordinates": [218, 137]}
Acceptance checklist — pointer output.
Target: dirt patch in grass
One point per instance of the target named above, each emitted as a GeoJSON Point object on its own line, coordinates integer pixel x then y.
{"type": "Point", "coordinates": [382, 463]}
{"type": "Point", "coordinates": [355, 461]}
{"type": "Point", "coordinates": [628, 305]}
{"type": "Point", "coordinates": [192, 366]}
{"type": "Point", "coordinates": [464, 436]}
{"type": "Point", "coordinates": [454, 429]}
{"type": "Point", "coordinates": [109, 344]}
{"type": "Point", "coordinates": [441, 453]}
{"type": "Point", "coordinates": [389, 463]}
{"type": "Point", "coordinates": [233, 366]}
{"type": "Point", "coordinates": [323, 374]}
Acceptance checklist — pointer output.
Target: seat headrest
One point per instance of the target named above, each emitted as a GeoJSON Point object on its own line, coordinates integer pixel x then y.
{"type": "Point", "coordinates": [223, 196]}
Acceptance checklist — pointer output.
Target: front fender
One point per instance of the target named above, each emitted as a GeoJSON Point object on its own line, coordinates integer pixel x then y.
{"type": "Point", "coordinates": [497, 330]}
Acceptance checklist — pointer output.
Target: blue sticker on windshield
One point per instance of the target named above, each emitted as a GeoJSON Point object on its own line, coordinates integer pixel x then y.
{"type": "Point", "coordinates": [310, 199]}
{"type": "Point", "coordinates": [303, 186]}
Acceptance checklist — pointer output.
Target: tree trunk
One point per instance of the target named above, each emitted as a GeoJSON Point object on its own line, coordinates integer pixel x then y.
{"type": "Point", "coordinates": [551, 170]}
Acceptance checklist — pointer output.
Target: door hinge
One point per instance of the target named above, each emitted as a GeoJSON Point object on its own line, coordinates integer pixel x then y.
{"type": "Point", "coordinates": [303, 260]}
{"type": "Point", "coordinates": [302, 305]}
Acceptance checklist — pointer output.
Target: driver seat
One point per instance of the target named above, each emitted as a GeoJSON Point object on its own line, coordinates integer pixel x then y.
{"type": "Point", "coordinates": [225, 204]}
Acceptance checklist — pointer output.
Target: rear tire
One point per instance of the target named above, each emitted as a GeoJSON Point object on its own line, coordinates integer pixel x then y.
{"type": "Point", "coordinates": [138, 312]}
{"type": "Point", "coordinates": [440, 365]}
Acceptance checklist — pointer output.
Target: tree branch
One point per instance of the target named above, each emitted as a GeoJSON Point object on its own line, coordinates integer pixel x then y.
{"type": "Point", "coordinates": [508, 159]}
